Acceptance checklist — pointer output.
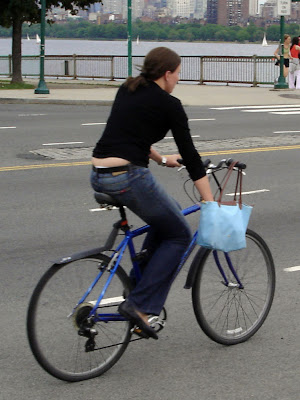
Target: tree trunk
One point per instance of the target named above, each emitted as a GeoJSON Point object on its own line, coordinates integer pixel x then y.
{"type": "Point", "coordinates": [17, 51]}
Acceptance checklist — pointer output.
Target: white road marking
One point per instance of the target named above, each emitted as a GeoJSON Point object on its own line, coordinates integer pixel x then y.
{"type": "Point", "coordinates": [103, 209]}
{"type": "Point", "coordinates": [251, 192]}
{"type": "Point", "coordinates": [194, 119]}
{"type": "Point", "coordinates": [292, 269]}
{"type": "Point", "coordinates": [286, 132]}
{"type": "Point", "coordinates": [286, 113]}
{"type": "Point", "coordinates": [94, 123]}
{"type": "Point", "coordinates": [56, 144]}
{"type": "Point", "coordinates": [30, 115]}
{"type": "Point", "coordinates": [282, 110]}
{"type": "Point", "coordinates": [171, 137]}
{"type": "Point", "coordinates": [202, 119]}
{"type": "Point", "coordinates": [8, 127]}
{"type": "Point", "coordinates": [240, 107]}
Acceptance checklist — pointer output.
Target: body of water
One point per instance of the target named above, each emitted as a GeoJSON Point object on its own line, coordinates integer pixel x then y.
{"type": "Point", "coordinates": [99, 47]}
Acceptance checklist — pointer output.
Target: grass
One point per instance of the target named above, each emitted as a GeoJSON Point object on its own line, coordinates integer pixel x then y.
{"type": "Point", "coordinates": [7, 85]}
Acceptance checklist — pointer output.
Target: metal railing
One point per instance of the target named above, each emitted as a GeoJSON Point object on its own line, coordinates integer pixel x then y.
{"type": "Point", "coordinates": [252, 70]}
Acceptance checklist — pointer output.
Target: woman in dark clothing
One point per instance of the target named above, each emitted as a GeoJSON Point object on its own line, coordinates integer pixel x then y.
{"type": "Point", "coordinates": [142, 114]}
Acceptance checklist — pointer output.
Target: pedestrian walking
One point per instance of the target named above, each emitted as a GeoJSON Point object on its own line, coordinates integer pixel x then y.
{"type": "Point", "coordinates": [294, 70]}
{"type": "Point", "coordinates": [286, 54]}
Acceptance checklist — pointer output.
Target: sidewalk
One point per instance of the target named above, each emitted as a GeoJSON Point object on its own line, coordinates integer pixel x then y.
{"type": "Point", "coordinates": [103, 93]}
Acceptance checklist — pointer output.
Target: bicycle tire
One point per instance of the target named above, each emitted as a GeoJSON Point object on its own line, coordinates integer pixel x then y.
{"type": "Point", "coordinates": [227, 314]}
{"type": "Point", "coordinates": [53, 334]}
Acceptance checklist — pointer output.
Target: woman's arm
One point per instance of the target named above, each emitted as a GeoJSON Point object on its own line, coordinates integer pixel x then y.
{"type": "Point", "coordinates": [202, 184]}
{"type": "Point", "coordinates": [171, 161]}
{"type": "Point", "coordinates": [276, 53]}
{"type": "Point", "coordinates": [203, 187]}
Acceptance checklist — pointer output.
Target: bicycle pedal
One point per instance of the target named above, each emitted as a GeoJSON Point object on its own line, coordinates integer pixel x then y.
{"type": "Point", "coordinates": [137, 331]}
{"type": "Point", "coordinates": [156, 323]}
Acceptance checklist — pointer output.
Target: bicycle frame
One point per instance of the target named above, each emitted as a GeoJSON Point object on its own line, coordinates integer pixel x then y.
{"type": "Point", "coordinates": [128, 242]}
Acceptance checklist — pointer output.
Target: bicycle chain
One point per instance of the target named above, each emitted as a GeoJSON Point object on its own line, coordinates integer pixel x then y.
{"type": "Point", "coordinates": [118, 344]}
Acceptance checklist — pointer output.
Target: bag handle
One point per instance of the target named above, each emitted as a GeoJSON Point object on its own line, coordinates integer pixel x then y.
{"type": "Point", "coordinates": [237, 186]}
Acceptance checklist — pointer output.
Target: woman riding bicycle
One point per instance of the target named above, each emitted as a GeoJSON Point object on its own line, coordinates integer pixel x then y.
{"type": "Point", "coordinates": [142, 114]}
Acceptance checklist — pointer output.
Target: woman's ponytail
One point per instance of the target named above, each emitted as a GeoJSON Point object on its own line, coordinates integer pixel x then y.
{"type": "Point", "coordinates": [133, 83]}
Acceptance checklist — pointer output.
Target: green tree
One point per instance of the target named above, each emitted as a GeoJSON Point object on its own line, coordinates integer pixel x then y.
{"type": "Point", "coordinates": [273, 33]}
{"type": "Point", "coordinates": [242, 36]}
{"type": "Point", "coordinates": [293, 30]}
{"type": "Point", "coordinates": [15, 12]}
{"type": "Point", "coordinates": [223, 35]}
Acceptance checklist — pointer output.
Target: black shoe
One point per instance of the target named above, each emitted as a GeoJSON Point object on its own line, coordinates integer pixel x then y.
{"type": "Point", "coordinates": [129, 312]}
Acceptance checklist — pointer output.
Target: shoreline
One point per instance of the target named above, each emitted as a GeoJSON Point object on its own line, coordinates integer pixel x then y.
{"type": "Point", "coordinates": [270, 43]}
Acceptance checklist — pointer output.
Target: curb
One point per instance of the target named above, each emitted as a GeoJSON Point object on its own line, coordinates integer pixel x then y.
{"type": "Point", "coordinates": [56, 101]}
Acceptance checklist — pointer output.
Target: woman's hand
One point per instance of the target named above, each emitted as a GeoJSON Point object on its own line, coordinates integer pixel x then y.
{"type": "Point", "coordinates": [169, 161]}
{"type": "Point", "coordinates": [172, 161]}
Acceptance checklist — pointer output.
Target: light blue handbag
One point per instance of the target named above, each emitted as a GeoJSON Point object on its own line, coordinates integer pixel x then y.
{"type": "Point", "coordinates": [223, 225]}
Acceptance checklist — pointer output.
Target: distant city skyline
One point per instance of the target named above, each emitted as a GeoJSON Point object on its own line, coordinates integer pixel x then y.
{"type": "Point", "coordinates": [223, 12]}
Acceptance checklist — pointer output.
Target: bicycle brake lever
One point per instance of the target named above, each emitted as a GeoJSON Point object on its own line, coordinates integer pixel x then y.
{"type": "Point", "coordinates": [236, 169]}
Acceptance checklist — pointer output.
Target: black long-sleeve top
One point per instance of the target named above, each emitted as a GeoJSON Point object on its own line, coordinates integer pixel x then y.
{"type": "Point", "coordinates": [141, 118]}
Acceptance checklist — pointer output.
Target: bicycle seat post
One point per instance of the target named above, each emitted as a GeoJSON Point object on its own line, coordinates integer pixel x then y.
{"type": "Point", "coordinates": [124, 223]}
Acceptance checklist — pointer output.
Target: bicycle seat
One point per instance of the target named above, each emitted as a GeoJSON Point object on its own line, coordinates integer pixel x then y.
{"type": "Point", "coordinates": [103, 198]}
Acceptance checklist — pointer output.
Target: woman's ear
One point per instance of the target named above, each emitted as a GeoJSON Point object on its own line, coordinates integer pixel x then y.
{"type": "Point", "coordinates": [166, 75]}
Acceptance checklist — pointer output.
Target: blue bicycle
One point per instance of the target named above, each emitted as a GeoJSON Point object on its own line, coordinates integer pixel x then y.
{"type": "Point", "coordinates": [75, 331]}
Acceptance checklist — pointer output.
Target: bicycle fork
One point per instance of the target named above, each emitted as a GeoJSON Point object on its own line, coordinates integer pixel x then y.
{"type": "Point", "coordinates": [230, 266]}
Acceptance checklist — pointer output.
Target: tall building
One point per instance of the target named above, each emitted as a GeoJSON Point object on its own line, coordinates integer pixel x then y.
{"type": "Point", "coordinates": [137, 8]}
{"type": "Point", "coordinates": [182, 8]}
{"type": "Point", "coordinates": [113, 7]}
{"type": "Point", "coordinates": [227, 12]}
{"type": "Point", "coordinates": [269, 10]}
{"type": "Point", "coordinates": [96, 7]}
{"type": "Point", "coordinates": [200, 9]}
{"type": "Point", "coordinates": [254, 7]}
{"type": "Point", "coordinates": [212, 12]}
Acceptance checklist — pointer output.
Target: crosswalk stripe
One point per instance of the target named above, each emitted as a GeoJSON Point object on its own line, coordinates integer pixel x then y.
{"type": "Point", "coordinates": [272, 110]}
{"type": "Point", "coordinates": [292, 269]}
{"type": "Point", "coordinates": [286, 113]}
{"type": "Point", "coordinates": [265, 106]}
{"type": "Point", "coordinates": [286, 132]}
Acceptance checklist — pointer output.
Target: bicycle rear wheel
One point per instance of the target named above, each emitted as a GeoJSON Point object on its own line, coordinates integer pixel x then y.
{"type": "Point", "coordinates": [53, 327]}
{"type": "Point", "coordinates": [229, 314]}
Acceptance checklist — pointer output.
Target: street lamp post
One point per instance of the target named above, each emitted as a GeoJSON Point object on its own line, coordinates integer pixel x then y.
{"type": "Point", "coordinates": [42, 87]}
{"type": "Point", "coordinates": [281, 84]}
{"type": "Point", "coordinates": [129, 38]}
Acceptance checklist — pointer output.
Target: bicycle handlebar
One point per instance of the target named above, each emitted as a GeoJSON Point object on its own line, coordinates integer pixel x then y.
{"type": "Point", "coordinates": [238, 165]}
{"type": "Point", "coordinates": [227, 162]}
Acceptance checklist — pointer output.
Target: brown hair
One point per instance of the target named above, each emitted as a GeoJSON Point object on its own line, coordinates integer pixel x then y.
{"type": "Point", "coordinates": [295, 41]}
{"type": "Point", "coordinates": [157, 62]}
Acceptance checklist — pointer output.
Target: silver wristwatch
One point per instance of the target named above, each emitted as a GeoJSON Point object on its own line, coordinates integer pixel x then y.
{"type": "Point", "coordinates": [163, 162]}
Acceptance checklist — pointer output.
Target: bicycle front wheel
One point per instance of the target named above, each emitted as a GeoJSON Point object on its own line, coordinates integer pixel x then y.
{"type": "Point", "coordinates": [227, 312]}
{"type": "Point", "coordinates": [64, 341]}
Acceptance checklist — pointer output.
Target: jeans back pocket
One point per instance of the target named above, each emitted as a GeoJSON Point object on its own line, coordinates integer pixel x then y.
{"type": "Point", "coordinates": [111, 183]}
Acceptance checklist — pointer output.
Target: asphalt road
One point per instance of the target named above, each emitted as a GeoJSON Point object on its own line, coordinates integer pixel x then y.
{"type": "Point", "coordinates": [45, 214]}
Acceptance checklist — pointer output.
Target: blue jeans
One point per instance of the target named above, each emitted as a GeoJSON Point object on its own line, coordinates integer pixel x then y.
{"type": "Point", "coordinates": [167, 239]}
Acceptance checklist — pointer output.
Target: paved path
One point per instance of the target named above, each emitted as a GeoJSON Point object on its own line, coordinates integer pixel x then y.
{"type": "Point", "coordinates": [103, 93]}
